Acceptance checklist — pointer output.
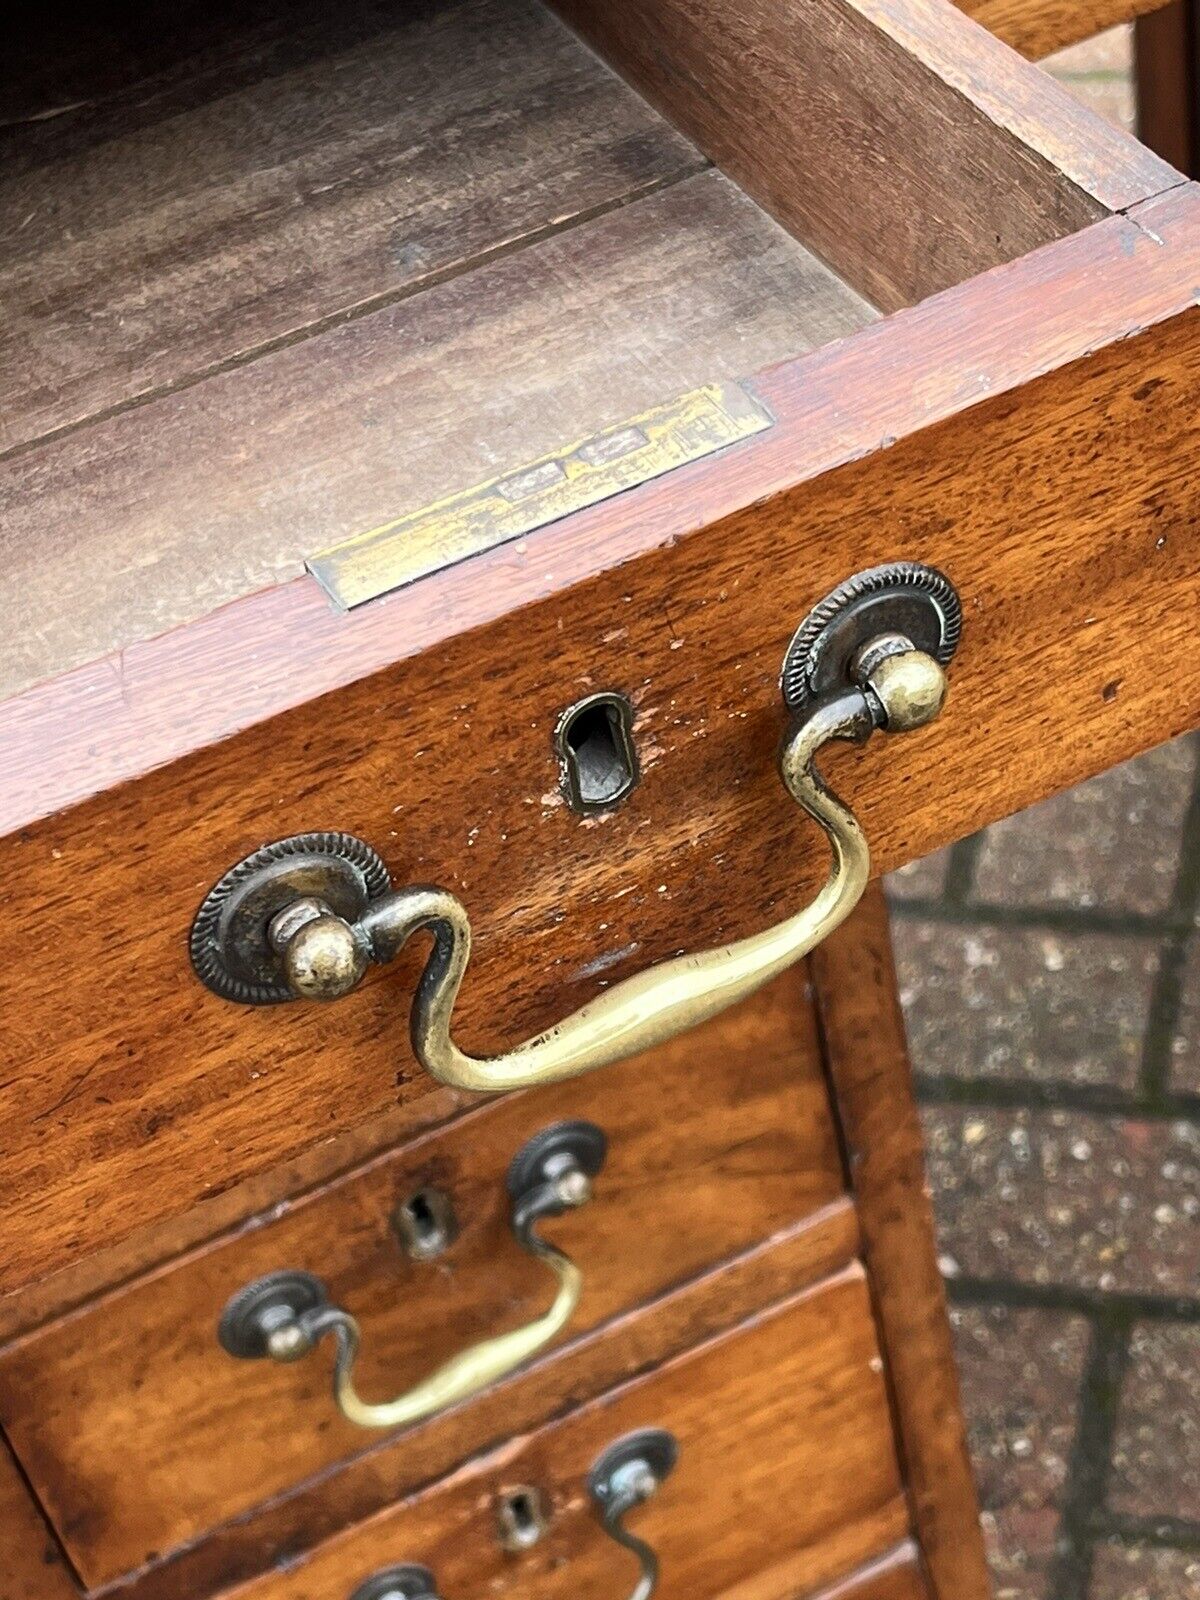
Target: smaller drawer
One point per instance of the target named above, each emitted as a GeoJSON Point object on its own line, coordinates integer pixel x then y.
{"type": "Point", "coordinates": [786, 1480]}
{"type": "Point", "coordinates": [716, 1142]}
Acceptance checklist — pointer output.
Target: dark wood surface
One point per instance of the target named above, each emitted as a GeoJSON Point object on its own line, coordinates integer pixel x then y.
{"type": "Point", "coordinates": [1167, 83]}
{"type": "Point", "coordinates": [32, 1565]}
{"type": "Point", "coordinates": [1061, 504]}
{"type": "Point", "coordinates": [786, 1473]}
{"type": "Point", "coordinates": [394, 1469]}
{"type": "Point", "coordinates": [716, 1142]}
{"type": "Point", "coordinates": [863, 1029]}
{"type": "Point", "coordinates": [113, 1265]}
{"type": "Point", "coordinates": [161, 514]}
{"type": "Point", "coordinates": [303, 183]}
{"type": "Point", "coordinates": [72, 77]}
{"type": "Point", "coordinates": [899, 209]}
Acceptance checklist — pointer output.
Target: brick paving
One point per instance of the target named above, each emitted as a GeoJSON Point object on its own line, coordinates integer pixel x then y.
{"type": "Point", "coordinates": [1050, 975]}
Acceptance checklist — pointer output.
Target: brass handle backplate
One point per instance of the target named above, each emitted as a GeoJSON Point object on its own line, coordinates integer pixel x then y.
{"type": "Point", "coordinates": [305, 918]}
{"type": "Point", "coordinates": [624, 1477]}
{"type": "Point", "coordinates": [404, 1582]}
{"type": "Point", "coordinates": [283, 1316]}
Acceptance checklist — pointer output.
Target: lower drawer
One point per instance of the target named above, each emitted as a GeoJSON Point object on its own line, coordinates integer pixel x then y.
{"type": "Point", "coordinates": [786, 1480]}
{"type": "Point", "coordinates": [716, 1142]}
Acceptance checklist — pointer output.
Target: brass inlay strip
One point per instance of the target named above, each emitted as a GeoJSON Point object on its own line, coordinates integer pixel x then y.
{"type": "Point", "coordinates": [489, 514]}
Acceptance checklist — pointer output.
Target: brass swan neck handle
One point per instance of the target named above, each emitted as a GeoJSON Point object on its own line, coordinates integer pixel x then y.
{"type": "Point", "coordinates": [324, 956]}
{"type": "Point", "coordinates": [625, 1476]}
{"type": "Point", "coordinates": [283, 1316]}
{"type": "Point", "coordinates": [848, 674]}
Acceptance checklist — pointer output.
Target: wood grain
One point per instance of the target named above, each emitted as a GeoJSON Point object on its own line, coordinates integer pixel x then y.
{"type": "Point", "coordinates": [123, 715]}
{"type": "Point", "coordinates": [1038, 27]}
{"type": "Point", "coordinates": [863, 1027]}
{"type": "Point", "coordinates": [941, 153]}
{"type": "Point", "coordinates": [146, 1247]}
{"type": "Point", "coordinates": [717, 1142]}
{"type": "Point", "coordinates": [1063, 508]}
{"type": "Point", "coordinates": [896, 1576]}
{"type": "Point", "coordinates": [125, 64]}
{"type": "Point", "coordinates": [784, 1442]}
{"type": "Point", "coordinates": [32, 1565]}
{"type": "Point", "coordinates": [1084, 147]}
{"type": "Point", "coordinates": [396, 1468]}
{"type": "Point", "coordinates": [160, 515]}
{"type": "Point", "coordinates": [163, 251]}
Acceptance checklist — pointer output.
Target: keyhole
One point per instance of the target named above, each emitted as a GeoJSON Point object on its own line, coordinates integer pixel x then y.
{"type": "Point", "coordinates": [426, 1224]}
{"type": "Point", "coordinates": [595, 748]}
{"type": "Point", "coordinates": [521, 1516]}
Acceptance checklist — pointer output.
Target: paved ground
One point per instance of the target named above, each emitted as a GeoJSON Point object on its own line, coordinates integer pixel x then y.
{"type": "Point", "coordinates": [1051, 978]}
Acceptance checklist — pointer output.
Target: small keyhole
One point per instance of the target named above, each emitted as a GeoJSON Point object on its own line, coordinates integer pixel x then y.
{"type": "Point", "coordinates": [596, 751]}
{"type": "Point", "coordinates": [426, 1224]}
{"type": "Point", "coordinates": [521, 1516]}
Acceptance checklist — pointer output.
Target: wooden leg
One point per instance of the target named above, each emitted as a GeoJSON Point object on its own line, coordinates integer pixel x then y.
{"type": "Point", "coordinates": [867, 1055]}
{"type": "Point", "coordinates": [1167, 59]}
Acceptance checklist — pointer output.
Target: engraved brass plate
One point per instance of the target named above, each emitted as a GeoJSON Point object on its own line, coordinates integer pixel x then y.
{"type": "Point", "coordinates": [477, 519]}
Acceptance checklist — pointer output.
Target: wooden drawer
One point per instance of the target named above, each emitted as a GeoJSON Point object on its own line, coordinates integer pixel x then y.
{"type": "Point", "coordinates": [387, 386]}
{"type": "Point", "coordinates": [786, 1479]}
{"type": "Point", "coordinates": [982, 301]}
{"type": "Point", "coordinates": [716, 1143]}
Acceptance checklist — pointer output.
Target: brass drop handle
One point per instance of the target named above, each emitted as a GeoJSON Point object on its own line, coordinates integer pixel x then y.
{"type": "Point", "coordinates": [284, 1315]}
{"type": "Point", "coordinates": [624, 1477]}
{"type": "Point", "coordinates": [306, 917]}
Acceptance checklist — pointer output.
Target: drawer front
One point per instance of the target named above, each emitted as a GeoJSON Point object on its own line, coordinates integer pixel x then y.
{"type": "Point", "coordinates": [896, 1576]}
{"type": "Point", "coordinates": [139, 1078]}
{"type": "Point", "coordinates": [716, 1142]}
{"type": "Point", "coordinates": [786, 1479]}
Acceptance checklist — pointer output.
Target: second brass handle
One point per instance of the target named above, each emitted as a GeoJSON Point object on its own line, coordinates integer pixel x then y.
{"type": "Point", "coordinates": [283, 1316]}
{"type": "Point", "coordinates": [624, 1477]}
{"type": "Point", "coordinates": [306, 917]}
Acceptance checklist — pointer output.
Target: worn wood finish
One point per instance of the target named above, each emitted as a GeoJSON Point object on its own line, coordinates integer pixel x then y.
{"type": "Point", "coordinates": [226, 487]}
{"type": "Point", "coordinates": [1061, 504]}
{"type": "Point", "coordinates": [612, 1354]}
{"type": "Point", "coordinates": [896, 206]}
{"type": "Point", "coordinates": [1038, 27]}
{"type": "Point", "coordinates": [158, 252]}
{"type": "Point", "coordinates": [896, 1576]}
{"type": "Point", "coordinates": [872, 1081]}
{"type": "Point", "coordinates": [785, 1460]}
{"type": "Point", "coordinates": [126, 63]}
{"type": "Point", "coordinates": [147, 1247]}
{"type": "Point", "coordinates": [717, 1141]}
{"type": "Point", "coordinates": [32, 1565]}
